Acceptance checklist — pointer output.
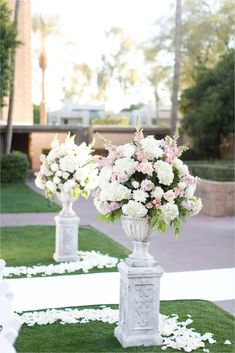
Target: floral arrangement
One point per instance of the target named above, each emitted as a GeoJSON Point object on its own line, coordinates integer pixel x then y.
{"type": "Point", "coordinates": [67, 168]}
{"type": "Point", "coordinates": [146, 178]}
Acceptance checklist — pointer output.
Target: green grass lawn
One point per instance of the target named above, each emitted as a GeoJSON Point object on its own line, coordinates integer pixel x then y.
{"type": "Point", "coordinates": [19, 198]}
{"type": "Point", "coordinates": [31, 245]}
{"type": "Point", "coordinates": [98, 337]}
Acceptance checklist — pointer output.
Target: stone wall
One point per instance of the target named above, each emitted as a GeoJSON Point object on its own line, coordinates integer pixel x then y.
{"type": "Point", "coordinates": [217, 197]}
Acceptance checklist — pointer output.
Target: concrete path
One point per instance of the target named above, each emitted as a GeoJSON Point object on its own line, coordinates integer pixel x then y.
{"type": "Point", "coordinates": [205, 243]}
{"type": "Point", "coordinates": [103, 288]}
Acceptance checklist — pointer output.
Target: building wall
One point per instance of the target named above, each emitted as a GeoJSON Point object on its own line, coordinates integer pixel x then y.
{"type": "Point", "coordinates": [23, 108]}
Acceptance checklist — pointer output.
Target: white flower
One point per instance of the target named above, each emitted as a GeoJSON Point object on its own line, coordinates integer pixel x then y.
{"type": "Point", "coordinates": [52, 155]}
{"type": "Point", "coordinates": [45, 170]}
{"type": "Point", "coordinates": [68, 185]}
{"type": "Point", "coordinates": [196, 205]}
{"type": "Point", "coordinates": [169, 212]}
{"type": "Point", "coordinates": [100, 206]}
{"type": "Point", "coordinates": [169, 196]}
{"type": "Point", "coordinates": [56, 180]}
{"type": "Point", "coordinates": [83, 152]}
{"type": "Point", "coordinates": [104, 176]}
{"type": "Point", "coordinates": [151, 147]}
{"type": "Point", "coordinates": [125, 166]}
{"type": "Point", "coordinates": [59, 173]}
{"type": "Point", "coordinates": [182, 168]}
{"type": "Point", "coordinates": [39, 181]}
{"type": "Point", "coordinates": [134, 209]}
{"type": "Point", "coordinates": [135, 184]}
{"type": "Point", "coordinates": [157, 192]}
{"type": "Point", "coordinates": [65, 175]}
{"type": "Point", "coordinates": [164, 172]}
{"type": "Point", "coordinates": [50, 186]}
{"type": "Point", "coordinates": [227, 342]}
{"type": "Point", "coordinates": [182, 185]}
{"type": "Point", "coordinates": [189, 192]}
{"type": "Point", "coordinates": [54, 167]}
{"type": "Point", "coordinates": [115, 192]}
{"type": "Point", "coordinates": [126, 150]}
{"type": "Point", "coordinates": [68, 164]}
{"type": "Point", "coordinates": [140, 195]}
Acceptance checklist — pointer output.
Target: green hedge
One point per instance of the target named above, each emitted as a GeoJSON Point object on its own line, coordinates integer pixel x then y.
{"type": "Point", "coordinates": [14, 167]}
{"type": "Point", "coordinates": [212, 170]}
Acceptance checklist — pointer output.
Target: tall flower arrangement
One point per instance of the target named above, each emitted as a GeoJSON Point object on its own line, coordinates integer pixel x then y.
{"type": "Point", "coordinates": [146, 178]}
{"type": "Point", "coordinates": [67, 168]}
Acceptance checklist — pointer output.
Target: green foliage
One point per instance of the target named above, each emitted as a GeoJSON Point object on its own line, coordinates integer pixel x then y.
{"type": "Point", "coordinates": [8, 45]}
{"type": "Point", "coordinates": [208, 106]}
{"type": "Point", "coordinates": [111, 120]}
{"type": "Point", "coordinates": [133, 107]}
{"type": "Point", "coordinates": [14, 167]}
{"type": "Point", "coordinates": [218, 171]}
{"type": "Point", "coordinates": [111, 217]}
{"type": "Point", "coordinates": [36, 114]}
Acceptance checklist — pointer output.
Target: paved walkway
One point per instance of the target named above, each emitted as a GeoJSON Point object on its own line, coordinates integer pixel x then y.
{"type": "Point", "coordinates": [103, 288]}
{"type": "Point", "coordinates": [205, 243]}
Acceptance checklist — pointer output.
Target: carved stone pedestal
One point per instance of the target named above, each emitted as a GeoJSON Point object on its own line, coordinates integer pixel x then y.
{"type": "Point", "coordinates": [139, 306]}
{"type": "Point", "coordinates": [66, 246]}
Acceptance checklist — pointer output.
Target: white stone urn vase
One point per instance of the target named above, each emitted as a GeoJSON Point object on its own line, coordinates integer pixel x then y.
{"type": "Point", "coordinates": [139, 231]}
{"type": "Point", "coordinates": [67, 226]}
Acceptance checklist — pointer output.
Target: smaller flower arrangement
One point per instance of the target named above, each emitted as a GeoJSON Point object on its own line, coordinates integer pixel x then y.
{"type": "Point", "coordinates": [68, 168]}
{"type": "Point", "coordinates": [146, 178]}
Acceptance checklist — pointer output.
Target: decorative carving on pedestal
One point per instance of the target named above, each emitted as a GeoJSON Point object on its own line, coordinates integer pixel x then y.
{"type": "Point", "coordinates": [139, 306]}
{"type": "Point", "coordinates": [10, 322]}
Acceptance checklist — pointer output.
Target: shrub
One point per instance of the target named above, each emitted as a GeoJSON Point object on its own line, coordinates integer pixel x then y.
{"type": "Point", "coordinates": [213, 170]}
{"type": "Point", "coordinates": [14, 167]}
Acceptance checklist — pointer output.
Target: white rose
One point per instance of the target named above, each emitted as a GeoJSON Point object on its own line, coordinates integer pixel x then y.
{"type": "Point", "coordinates": [39, 181]}
{"type": "Point", "coordinates": [45, 171]}
{"type": "Point", "coordinates": [189, 192]}
{"type": "Point", "coordinates": [125, 166]}
{"type": "Point", "coordinates": [59, 173]}
{"type": "Point", "coordinates": [54, 167]}
{"type": "Point", "coordinates": [182, 168]}
{"type": "Point", "coordinates": [68, 185]}
{"type": "Point", "coordinates": [126, 150]}
{"type": "Point", "coordinates": [169, 212]}
{"type": "Point", "coordinates": [68, 164]}
{"type": "Point", "coordinates": [182, 185]}
{"type": "Point", "coordinates": [140, 195]}
{"type": "Point", "coordinates": [65, 175]}
{"type": "Point", "coordinates": [134, 209]}
{"type": "Point", "coordinates": [151, 147]}
{"type": "Point", "coordinates": [169, 196]}
{"type": "Point", "coordinates": [51, 186]}
{"type": "Point", "coordinates": [56, 180]}
{"type": "Point", "coordinates": [196, 206]}
{"type": "Point", "coordinates": [135, 184]}
{"type": "Point", "coordinates": [164, 172]}
{"type": "Point", "coordinates": [157, 192]}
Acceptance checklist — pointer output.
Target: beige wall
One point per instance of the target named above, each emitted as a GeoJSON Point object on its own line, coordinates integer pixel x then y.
{"type": "Point", "coordinates": [23, 109]}
{"type": "Point", "coordinates": [116, 138]}
{"type": "Point", "coordinates": [39, 141]}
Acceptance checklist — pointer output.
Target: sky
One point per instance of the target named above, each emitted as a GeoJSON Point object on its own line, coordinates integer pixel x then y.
{"type": "Point", "coordinates": [82, 39]}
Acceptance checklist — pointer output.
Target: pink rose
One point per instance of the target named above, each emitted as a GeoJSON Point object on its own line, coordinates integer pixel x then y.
{"type": "Point", "coordinates": [149, 205]}
{"type": "Point", "coordinates": [140, 155]}
{"type": "Point", "coordinates": [146, 185]}
{"type": "Point", "coordinates": [145, 167]}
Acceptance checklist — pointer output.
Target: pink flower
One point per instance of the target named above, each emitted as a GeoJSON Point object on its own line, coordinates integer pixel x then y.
{"type": "Point", "coordinates": [104, 163]}
{"type": "Point", "coordinates": [149, 205]}
{"type": "Point", "coordinates": [139, 135]}
{"type": "Point", "coordinates": [113, 206]}
{"type": "Point", "coordinates": [187, 205]}
{"type": "Point", "coordinates": [177, 192]}
{"type": "Point", "coordinates": [140, 155]}
{"type": "Point", "coordinates": [145, 167]}
{"type": "Point", "coordinates": [146, 185]}
{"type": "Point", "coordinates": [189, 180]}
{"type": "Point", "coordinates": [121, 178]}
{"type": "Point", "coordinates": [114, 177]}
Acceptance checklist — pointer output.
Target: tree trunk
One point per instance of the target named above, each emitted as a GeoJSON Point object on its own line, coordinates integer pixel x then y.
{"type": "Point", "coordinates": [9, 130]}
{"type": "Point", "coordinates": [176, 81]}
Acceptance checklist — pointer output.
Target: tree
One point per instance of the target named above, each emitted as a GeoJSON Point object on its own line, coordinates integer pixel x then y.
{"type": "Point", "coordinates": [208, 106]}
{"type": "Point", "coordinates": [176, 79]}
{"type": "Point", "coordinates": [44, 27]}
{"type": "Point", "coordinates": [8, 45]}
{"type": "Point", "coordinates": [9, 132]}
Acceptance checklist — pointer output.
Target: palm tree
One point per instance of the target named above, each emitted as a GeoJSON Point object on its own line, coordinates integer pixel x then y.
{"type": "Point", "coordinates": [176, 80]}
{"type": "Point", "coordinates": [44, 27]}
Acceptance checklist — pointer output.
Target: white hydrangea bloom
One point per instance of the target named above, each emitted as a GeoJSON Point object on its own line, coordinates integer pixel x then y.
{"type": "Point", "coordinates": [157, 192]}
{"type": "Point", "coordinates": [164, 172]}
{"type": "Point", "coordinates": [68, 164]}
{"type": "Point", "coordinates": [56, 180]}
{"type": "Point", "coordinates": [100, 206]}
{"type": "Point", "coordinates": [140, 195]}
{"type": "Point", "coordinates": [54, 167]}
{"type": "Point", "coordinates": [189, 191]}
{"type": "Point", "coordinates": [68, 185]}
{"type": "Point", "coordinates": [196, 205]}
{"type": "Point", "coordinates": [115, 192]}
{"type": "Point", "coordinates": [169, 212]}
{"type": "Point", "coordinates": [125, 166]}
{"type": "Point", "coordinates": [134, 209]}
{"type": "Point", "coordinates": [104, 176]}
{"type": "Point", "coordinates": [182, 185]}
{"type": "Point", "coordinates": [182, 168]}
{"type": "Point", "coordinates": [126, 150]}
{"type": "Point", "coordinates": [151, 147]}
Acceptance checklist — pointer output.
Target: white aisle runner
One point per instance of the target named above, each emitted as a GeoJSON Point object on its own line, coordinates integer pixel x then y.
{"type": "Point", "coordinates": [103, 288]}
